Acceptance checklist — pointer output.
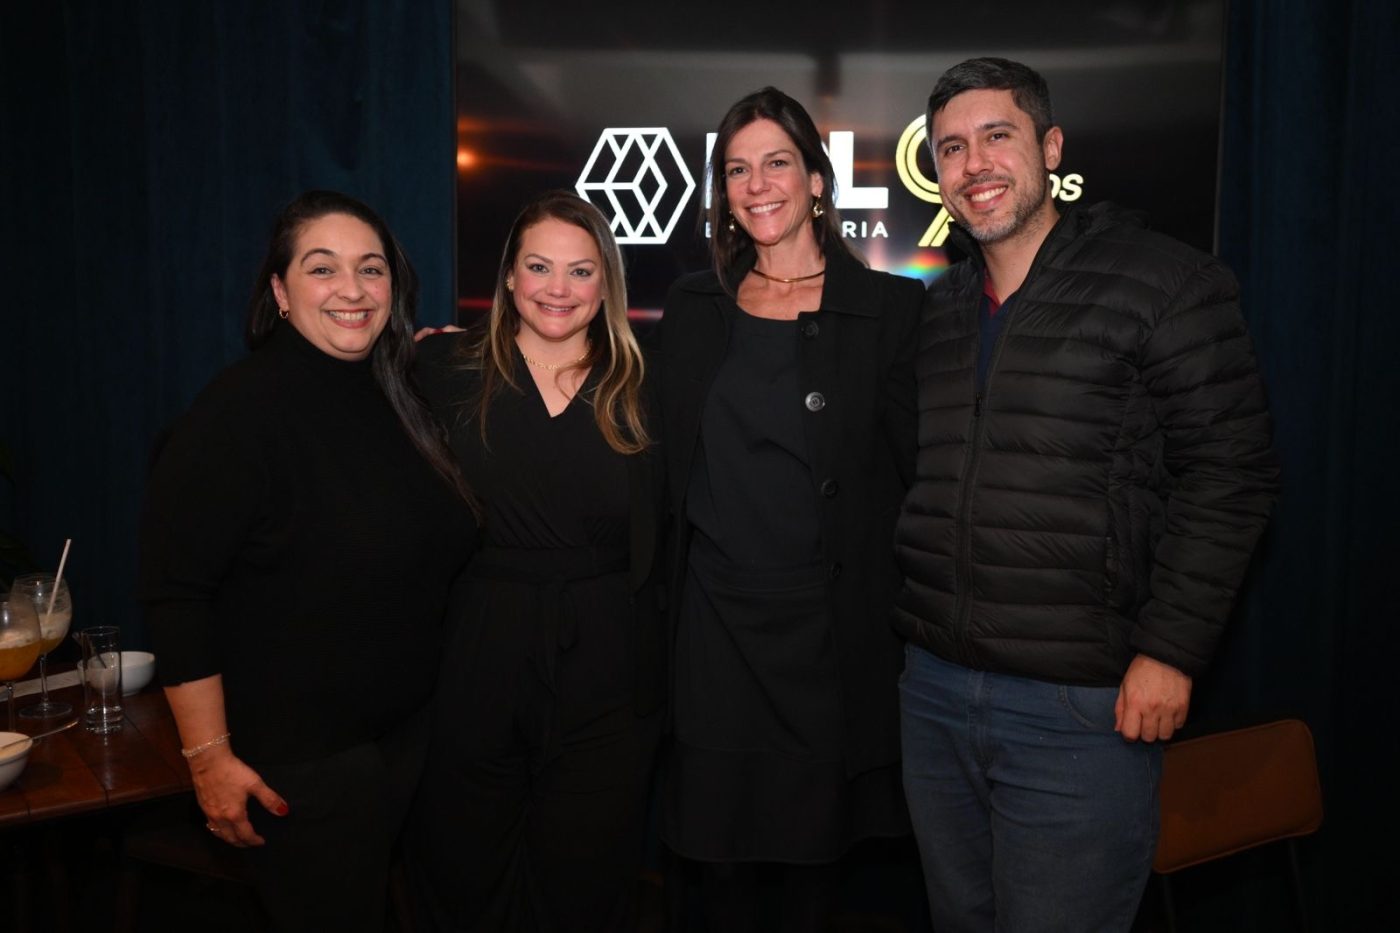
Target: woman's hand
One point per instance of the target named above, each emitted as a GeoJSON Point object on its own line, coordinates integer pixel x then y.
{"type": "Point", "coordinates": [222, 782]}
{"type": "Point", "coordinates": [222, 785]}
{"type": "Point", "coordinates": [429, 331]}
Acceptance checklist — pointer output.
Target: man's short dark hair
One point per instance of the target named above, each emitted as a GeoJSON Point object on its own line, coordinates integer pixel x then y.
{"type": "Point", "coordinates": [1028, 89]}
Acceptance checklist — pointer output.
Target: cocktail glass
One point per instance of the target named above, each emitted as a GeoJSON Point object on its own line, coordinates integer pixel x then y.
{"type": "Point", "coordinates": [19, 643]}
{"type": "Point", "coordinates": [55, 610]}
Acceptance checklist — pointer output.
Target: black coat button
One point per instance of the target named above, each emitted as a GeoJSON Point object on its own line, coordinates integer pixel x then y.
{"type": "Point", "coordinates": [810, 329]}
{"type": "Point", "coordinates": [830, 487]}
{"type": "Point", "coordinates": [835, 570]}
{"type": "Point", "coordinates": [815, 401]}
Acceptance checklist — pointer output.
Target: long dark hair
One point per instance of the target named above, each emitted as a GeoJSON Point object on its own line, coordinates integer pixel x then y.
{"type": "Point", "coordinates": [729, 248]}
{"type": "Point", "coordinates": [391, 359]}
{"type": "Point", "coordinates": [617, 401]}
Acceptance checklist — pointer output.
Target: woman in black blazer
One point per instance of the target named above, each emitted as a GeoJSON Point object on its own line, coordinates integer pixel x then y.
{"type": "Point", "coordinates": [549, 703]}
{"type": "Point", "coordinates": [787, 396]}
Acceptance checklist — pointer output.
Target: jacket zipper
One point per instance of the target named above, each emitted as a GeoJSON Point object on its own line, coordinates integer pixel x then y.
{"type": "Point", "coordinates": [963, 614]}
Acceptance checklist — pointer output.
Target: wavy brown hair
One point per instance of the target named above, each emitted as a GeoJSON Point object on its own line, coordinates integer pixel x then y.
{"type": "Point", "coordinates": [617, 399]}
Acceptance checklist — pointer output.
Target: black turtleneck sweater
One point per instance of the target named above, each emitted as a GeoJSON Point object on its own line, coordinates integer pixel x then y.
{"type": "Point", "coordinates": [295, 542]}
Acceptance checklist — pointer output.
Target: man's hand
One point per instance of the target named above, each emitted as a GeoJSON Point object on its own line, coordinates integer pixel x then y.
{"type": "Point", "coordinates": [1152, 701]}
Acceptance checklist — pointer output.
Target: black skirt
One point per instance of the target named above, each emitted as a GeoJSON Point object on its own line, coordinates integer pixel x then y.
{"type": "Point", "coordinates": [757, 771]}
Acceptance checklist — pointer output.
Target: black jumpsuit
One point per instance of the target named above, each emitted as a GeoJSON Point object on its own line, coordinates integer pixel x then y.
{"type": "Point", "coordinates": [530, 813]}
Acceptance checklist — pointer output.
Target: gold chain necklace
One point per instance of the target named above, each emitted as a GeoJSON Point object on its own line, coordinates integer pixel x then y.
{"type": "Point", "coordinates": [553, 367]}
{"type": "Point", "coordinates": [778, 278]}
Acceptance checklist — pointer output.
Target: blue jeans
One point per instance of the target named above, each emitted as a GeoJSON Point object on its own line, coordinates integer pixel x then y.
{"type": "Point", "coordinates": [1031, 813]}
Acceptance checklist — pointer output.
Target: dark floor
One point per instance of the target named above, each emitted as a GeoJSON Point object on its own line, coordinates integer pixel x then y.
{"type": "Point", "coordinates": [68, 878]}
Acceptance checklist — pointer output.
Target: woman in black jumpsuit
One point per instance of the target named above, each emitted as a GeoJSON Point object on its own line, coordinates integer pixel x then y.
{"type": "Point", "coordinates": [548, 714]}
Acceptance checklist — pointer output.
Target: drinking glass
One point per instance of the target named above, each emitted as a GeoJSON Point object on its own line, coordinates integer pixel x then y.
{"type": "Point", "coordinates": [102, 678]}
{"type": "Point", "coordinates": [19, 642]}
{"type": "Point", "coordinates": [53, 626]}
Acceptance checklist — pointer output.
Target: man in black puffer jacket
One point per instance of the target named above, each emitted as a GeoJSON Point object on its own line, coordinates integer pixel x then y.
{"type": "Point", "coordinates": [1094, 470]}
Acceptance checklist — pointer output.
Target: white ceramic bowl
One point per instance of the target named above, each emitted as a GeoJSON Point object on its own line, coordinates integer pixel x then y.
{"type": "Point", "coordinates": [138, 667]}
{"type": "Point", "coordinates": [13, 760]}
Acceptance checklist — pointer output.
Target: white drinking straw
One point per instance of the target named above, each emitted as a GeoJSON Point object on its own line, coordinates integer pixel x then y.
{"type": "Point", "coordinates": [58, 578]}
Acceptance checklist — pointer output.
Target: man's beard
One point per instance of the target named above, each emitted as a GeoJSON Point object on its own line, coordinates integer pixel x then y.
{"type": "Point", "coordinates": [1025, 206]}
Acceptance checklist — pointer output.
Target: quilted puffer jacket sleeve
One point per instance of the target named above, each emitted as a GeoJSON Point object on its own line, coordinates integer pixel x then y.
{"type": "Point", "coordinates": [1199, 368]}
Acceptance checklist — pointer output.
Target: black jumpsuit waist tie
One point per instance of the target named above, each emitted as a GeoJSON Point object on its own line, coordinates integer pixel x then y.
{"type": "Point", "coordinates": [553, 571]}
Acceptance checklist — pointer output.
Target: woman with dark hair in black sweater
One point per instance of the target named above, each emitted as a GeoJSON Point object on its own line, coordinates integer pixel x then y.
{"type": "Point", "coordinates": [302, 525]}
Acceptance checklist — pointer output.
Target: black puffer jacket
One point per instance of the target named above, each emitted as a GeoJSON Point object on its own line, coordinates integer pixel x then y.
{"type": "Point", "coordinates": [1102, 496]}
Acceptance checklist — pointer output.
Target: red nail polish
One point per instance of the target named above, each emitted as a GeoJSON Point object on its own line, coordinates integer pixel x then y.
{"type": "Point", "coordinates": [281, 809]}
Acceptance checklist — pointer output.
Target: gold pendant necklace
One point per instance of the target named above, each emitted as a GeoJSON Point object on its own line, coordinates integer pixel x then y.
{"type": "Point", "coordinates": [795, 278]}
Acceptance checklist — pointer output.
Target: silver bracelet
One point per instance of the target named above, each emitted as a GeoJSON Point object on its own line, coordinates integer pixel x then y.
{"type": "Point", "coordinates": [201, 749]}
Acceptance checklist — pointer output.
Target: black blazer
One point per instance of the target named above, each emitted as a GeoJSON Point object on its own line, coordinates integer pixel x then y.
{"type": "Point", "coordinates": [857, 367]}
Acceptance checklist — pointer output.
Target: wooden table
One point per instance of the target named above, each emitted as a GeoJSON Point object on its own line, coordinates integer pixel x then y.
{"type": "Point", "coordinates": [76, 772]}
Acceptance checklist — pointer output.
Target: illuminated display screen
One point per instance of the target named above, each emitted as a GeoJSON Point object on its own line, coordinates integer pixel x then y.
{"type": "Point", "coordinates": [618, 101]}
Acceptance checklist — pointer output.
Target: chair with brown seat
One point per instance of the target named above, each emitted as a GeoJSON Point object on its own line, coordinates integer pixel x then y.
{"type": "Point", "coordinates": [1231, 791]}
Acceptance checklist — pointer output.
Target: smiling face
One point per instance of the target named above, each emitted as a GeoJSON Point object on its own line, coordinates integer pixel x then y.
{"type": "Point", "coordinates": [557, 285]}
{"type": "Point", "coordinates": [993, 172]}
{"type": "Point", "coordinates": [336, 289]}
{"type": "Point", "coordinates": [768, 187]}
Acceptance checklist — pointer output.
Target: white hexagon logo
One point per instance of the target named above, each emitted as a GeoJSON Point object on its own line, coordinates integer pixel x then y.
{"type": "Point", "coordinates": [629, 177]}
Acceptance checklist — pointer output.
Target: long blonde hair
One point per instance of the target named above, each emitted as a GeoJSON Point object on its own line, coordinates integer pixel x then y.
{"type": "Point", "coordinates": [617, 400]}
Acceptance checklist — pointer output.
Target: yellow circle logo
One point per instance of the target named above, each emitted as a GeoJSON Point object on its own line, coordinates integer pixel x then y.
{"type": "Point", "coordinates": [906, 162]}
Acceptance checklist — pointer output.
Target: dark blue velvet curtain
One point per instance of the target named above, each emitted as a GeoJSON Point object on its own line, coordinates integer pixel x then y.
{"type": "Point", "coordinates": [145, 146]}
{"type": "Point", "coordinates": [1308, 220]}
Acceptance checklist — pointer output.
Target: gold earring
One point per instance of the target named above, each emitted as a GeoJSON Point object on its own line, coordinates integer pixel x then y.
{"type": "Point", "coordinates": [817, 209]}
{"type": "Point", "coordinates": [731, 224]}
{"type": "Point", "coordinates": [283, 312]}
